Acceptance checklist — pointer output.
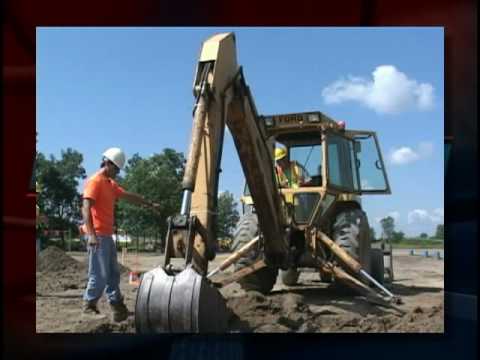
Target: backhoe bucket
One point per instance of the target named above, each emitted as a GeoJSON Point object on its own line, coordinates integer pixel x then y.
{"type": "Point", "coordinates": [184, 303]}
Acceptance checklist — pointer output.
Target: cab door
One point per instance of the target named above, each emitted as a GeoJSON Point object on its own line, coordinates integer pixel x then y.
{"type": "Point", "coordinates": [369, 164]}
{"type": "Point", "coordinates": [354, 163]}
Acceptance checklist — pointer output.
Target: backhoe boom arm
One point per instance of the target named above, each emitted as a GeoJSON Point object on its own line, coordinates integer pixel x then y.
{"type": "Point", "coordinates": [223, 98]}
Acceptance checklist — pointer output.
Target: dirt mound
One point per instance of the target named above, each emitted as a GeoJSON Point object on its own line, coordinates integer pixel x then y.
{"type": "Point", "coordinates": [422, 319]}
{"type": "Point", "coordinates": [53, 259]}
{"type": "Point", "coordinates": [429, 320]}
{"type": "Point", "coordinates": [57, 272]}
{"type": "Point", "coordinates": [260, 313]}
{"type": "Point", "coordinates": [290, 312]}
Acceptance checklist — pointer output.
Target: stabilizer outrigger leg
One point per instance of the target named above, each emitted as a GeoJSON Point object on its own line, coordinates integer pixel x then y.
{"type": "Point", "coordinates": [381, 296]}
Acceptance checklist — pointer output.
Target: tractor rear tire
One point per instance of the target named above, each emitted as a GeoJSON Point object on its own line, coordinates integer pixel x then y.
{"type": "Point", "coordinates": [352, 232]}
{"type": "Point", "coordinates": [263, 279]}
{"type": "Point", "coordinates": [290, 277]}
{"type": "Point", "coordinates": [377, 266]}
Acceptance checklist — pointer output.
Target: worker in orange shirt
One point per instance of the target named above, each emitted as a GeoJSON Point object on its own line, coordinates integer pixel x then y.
{"type": "Point", "coordinates": [99, 197]}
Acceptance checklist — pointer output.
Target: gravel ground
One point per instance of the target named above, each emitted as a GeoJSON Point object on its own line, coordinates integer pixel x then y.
{"type": "Point", "coordinates": [311, 306]}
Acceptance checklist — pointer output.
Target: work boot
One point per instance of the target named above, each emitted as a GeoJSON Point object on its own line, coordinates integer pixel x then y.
{"type": "Point", "coordinates": [119, 311]}
{"type": "Point", "coordinates": [90, 309]}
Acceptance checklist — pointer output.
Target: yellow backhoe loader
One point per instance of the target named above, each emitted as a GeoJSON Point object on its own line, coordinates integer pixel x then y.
{"type": "Point", "coordinates": [319, 223]}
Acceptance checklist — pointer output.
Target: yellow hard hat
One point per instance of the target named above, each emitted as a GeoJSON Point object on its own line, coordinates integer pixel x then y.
{"type": "Point", "coordinates": [280, 153]}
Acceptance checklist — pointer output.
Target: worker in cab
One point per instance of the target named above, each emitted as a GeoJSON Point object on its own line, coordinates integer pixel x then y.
{"type": "Point", "coordinates": [290, 174]}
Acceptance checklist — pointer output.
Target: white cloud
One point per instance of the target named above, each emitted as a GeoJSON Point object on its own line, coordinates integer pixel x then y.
{"type": "Point", "coordinates": [437, 216]}
{"type": "Point", "coordinates": [403, 155]}
{"type": "Point", "coordinates": [425, 96]}
{"type": "Point", "coordinates": [406, 155]}
{"type": "Point", "coordinates": [417, 215]}
{"type": "Point", "coordinates": [422, 216]}
{"type": "Point", "coordinates": [390, 91]}
{"type": "Point", "coordinates": [438, 212]}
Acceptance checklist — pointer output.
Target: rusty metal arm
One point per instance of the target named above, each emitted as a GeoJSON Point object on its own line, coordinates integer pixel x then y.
{"type": "Point", "coordinates": [235, 256]}
{"type": "Point", "coordinates": [237, 275]}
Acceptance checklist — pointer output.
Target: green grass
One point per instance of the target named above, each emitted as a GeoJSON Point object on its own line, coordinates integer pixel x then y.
{"type": "Point", "coordinates": [417, 246]}
{"type": "Point", "coordinates": [417, 243]}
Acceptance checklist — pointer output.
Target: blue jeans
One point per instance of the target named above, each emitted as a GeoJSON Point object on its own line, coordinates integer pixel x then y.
{"type": "Point", "coordinates": [103, 271]}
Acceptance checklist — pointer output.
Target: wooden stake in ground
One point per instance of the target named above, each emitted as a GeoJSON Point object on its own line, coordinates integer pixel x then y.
{"type": "Point", "coordinates": [124, 255]}
{"type": "Point", "coordinates": [134, 278]}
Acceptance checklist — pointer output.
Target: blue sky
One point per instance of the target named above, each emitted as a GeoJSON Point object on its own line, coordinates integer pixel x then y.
{"type": "Point", "coordinates": [132, 88]}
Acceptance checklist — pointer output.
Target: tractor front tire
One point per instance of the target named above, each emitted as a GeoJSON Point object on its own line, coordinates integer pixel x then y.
{"type": "Point", "coordinates": [377, 267]}
{"type": "Point", "coordinates": [352, 232]}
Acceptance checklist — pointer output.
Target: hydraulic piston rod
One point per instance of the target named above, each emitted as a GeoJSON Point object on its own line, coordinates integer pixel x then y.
{"type": "Point", "coordinates": [186, 202]}
{"type": "Point", "coordinates": [351, 262]}
{"type": "Point", "coordinates": [194, 151]}
{"type": "Point", "coordinates": [376, 283]}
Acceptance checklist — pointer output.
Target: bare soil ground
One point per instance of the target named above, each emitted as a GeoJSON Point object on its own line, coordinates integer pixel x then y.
{"type": "Point", "coordinates": [311, 306]}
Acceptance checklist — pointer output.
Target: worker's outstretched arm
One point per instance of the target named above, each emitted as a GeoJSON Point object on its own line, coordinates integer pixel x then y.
{"type": "Point", "coordinates": [139, 200]}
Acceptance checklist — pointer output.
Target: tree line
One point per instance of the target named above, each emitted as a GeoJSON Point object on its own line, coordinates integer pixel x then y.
{"type": "Point", "coordinates": [158, 178]}
{"type": "Point", "coordinates": [389, 232]}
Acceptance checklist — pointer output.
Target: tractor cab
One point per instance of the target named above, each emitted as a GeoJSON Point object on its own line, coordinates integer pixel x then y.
{"type": "Point", "coordinates": [322, 163]}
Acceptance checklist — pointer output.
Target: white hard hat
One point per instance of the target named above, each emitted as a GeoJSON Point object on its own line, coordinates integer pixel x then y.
{"type": "Point", "coordinates": [115, 155]}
